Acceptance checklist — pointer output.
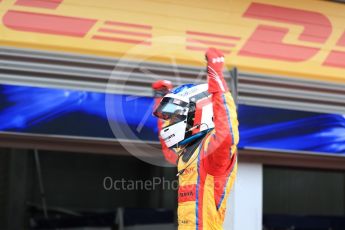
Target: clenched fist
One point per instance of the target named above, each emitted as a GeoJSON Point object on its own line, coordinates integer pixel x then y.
{"type": "Point", "coordinates": [161, 88]}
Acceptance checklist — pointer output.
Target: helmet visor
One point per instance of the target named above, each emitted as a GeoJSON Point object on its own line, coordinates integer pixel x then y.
{"type": "Point", "coordinates": [172, 110]}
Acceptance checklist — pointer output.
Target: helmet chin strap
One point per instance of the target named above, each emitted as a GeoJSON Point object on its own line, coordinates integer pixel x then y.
{"type": "Point", "coordinates": [196, 126]}
{"type": "Point", "coordinates": [189, 139]}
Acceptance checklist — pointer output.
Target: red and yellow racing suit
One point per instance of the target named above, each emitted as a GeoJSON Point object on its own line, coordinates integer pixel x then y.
{"type": "Point", "coordinates": [208, 175]}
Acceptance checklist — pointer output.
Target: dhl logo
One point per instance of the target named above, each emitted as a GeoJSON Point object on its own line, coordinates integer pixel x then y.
{"type": "Point", "coordinates": [265, 42]}
{"type": "Point", "coordinates": [71, 26]}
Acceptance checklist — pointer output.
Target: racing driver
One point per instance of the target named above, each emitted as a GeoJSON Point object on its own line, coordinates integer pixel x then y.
{"type": "Point", "coordinates": [198, 131]}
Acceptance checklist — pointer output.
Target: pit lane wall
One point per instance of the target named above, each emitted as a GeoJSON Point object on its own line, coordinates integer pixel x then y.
{"type": "Point", "coordinates": [295, 38]}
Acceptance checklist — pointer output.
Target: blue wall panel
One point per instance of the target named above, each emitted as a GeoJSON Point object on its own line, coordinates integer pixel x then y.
{"type": "Point", "coordinates": [37, 110]}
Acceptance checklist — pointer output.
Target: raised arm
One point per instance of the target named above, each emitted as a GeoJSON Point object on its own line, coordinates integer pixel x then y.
{"type": "Point", "coordinates": [223, 142]}
{"type": "Point", "coordinates": [161, 88]}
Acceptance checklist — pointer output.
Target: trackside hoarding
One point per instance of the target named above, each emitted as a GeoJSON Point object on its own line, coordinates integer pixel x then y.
{"type": "Point", "coordinates": [73, 113]}
{"type": "Point", "coordinates": [301, 38]}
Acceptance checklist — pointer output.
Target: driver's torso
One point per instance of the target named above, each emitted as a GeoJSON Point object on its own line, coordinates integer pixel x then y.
{"type": "Point", "coordinates": [202, 197]}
